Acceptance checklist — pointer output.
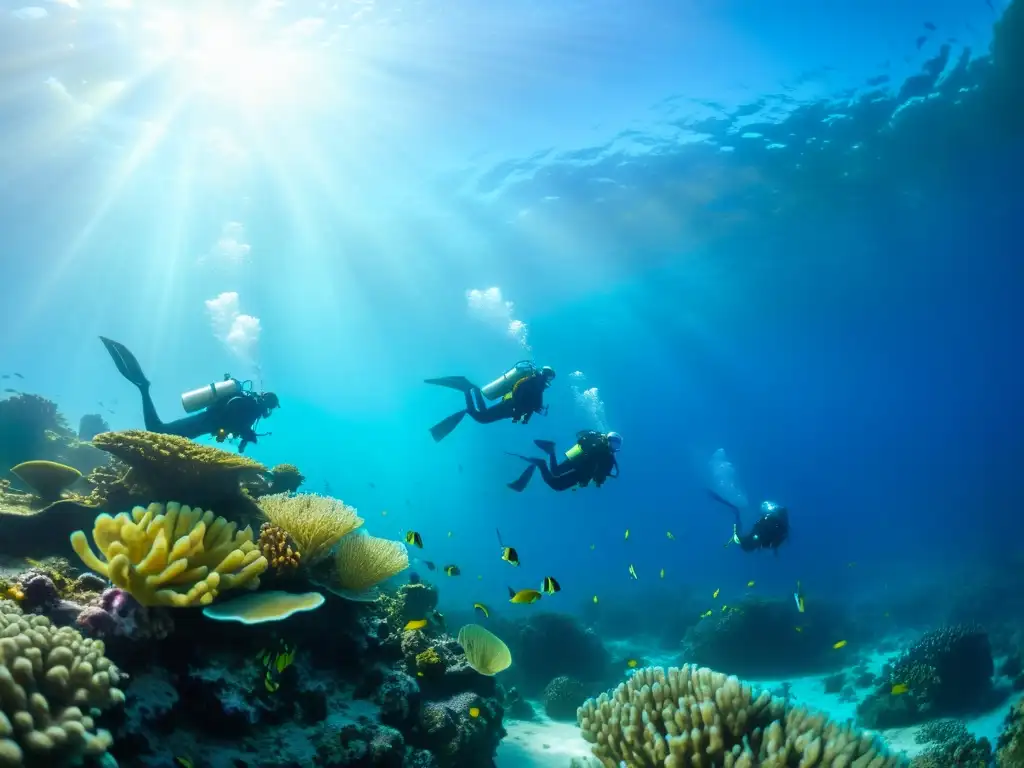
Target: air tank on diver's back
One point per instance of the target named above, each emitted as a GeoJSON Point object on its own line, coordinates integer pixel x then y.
{"type": "Point", "coordinates": [213, 393]}
{"type": "Point", "coordinates": [502, 385]}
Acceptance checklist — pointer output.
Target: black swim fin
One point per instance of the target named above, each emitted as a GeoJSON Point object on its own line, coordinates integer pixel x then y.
{"type": "Point", "coordinates": [721, 500]}
{"type": "Point", "coordinates": [442, 429]}
{"type": "Point", "coordinates": [519, 484]}
{"type": "Point", "coordinates": [460, 383]}
{"type": "Point", "coordinates": [548, 446]}
{"type": "Point", "coordinates": [125, 361]}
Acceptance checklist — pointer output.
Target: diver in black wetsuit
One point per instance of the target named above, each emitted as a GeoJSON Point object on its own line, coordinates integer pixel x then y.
{"type": "Point", "coordinates": [521, 393]}
{"type": "Point", "coordinates": [768, 532]}
{"type": "Point", "coordinates": [232, 410]}
{"type": "Point", "coordinates": [592, 458]}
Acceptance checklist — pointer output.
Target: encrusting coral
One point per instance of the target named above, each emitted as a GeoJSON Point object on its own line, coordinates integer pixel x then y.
{"type": "Point", "coordinates": [693, 716]}
{"type": "Point", "coordinates": [285, 478]}
{"type": "Point", "coordinates": [172, 555]}
{"type": "Point", "coordinates": [50, 682]}
{"type": "Point", "coordinates": [315, 523]}
{"type": "Point", "coordinates": [361, 562]}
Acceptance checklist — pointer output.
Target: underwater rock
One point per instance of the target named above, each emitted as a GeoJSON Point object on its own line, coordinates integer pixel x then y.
{"type": "Point", "coordinates": [516, 707]}
{"type": "Point", "coordinates": [562, 697]}
{"type": "Point", "coordinates": [46, 532]}
{"type": "Point", "coordinates": [758, 639]}
{"type": "Point", "coordinates": [948, 671]}
{"type": "Point", "coordinates": [397, 695]}
{"type": "Point", "coordinates": [31, 427]}
{"type": "Point", "coordinates": [116, 613]}
{"type": "Point", "coordinates": [547, 645]}
{"type": "Point", "coordinates": [834, 683]}
{"type": "Point", "coordinates": [90, 425]}
{"type": "Point", "coordinates": [464, 730]}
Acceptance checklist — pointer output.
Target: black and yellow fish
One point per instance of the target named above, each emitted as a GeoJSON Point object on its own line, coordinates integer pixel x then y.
{"type": "Point", "coordinates": [483, 609]}
{"type": "Point", "coordinates": [509, 555]}
{"type": "Point", "coordinates": [452, 570]}
{"type": "Point", "coordinates": [523, 596]}
{"type": "Point", "coordinates": [276, 660]}
{"type": "Point", "coordinates": [549, 586]}
{"type": "Point", "coordinates": [413, 539]}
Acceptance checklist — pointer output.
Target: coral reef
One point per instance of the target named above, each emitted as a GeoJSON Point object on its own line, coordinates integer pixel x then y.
{"type": "Point", "coordinates": [26, 532]}
{"type": "Point", "coordinates": [281, 552]}
{"type": "Point", "coordinates": [285, 478]}
{"type": "Point", "coordinates": [694, 716]}
{"type": "Point", "coordinates": [47, 479]}
{"type": "Point", "coordinates": [361, 562]}
{"type": "Point", "coordinates": [315, 523]}
{"type": "Point", "coordinates": [31, 427]}
{"type": "Point", "coordinates": [562, 697]}
{"type": "Point", "coordinates": [172, 554]}
{"type": "Point", "coordinates": [547, 645]}
{"type": "Point", "coordinates": [50, 681]}
{"type": "Point", "coordinates": [90, 425]}
{"type": "Point", "coordinates": [722, 641]}
{"type": "Point", "coordinates": [954, 745]}
{"type": "Point", "coordinates": [115, 613]}
{"type": "Point", "coordinates": [947, 672]}
{"type": "Point", "coordinates": [172, 467]}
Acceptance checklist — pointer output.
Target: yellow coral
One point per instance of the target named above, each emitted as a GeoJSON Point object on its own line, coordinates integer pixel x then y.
{"type": "Point", "coordinates": [429, 662]}
{"type": "Point", "coordinates": [173, 456]}
{"type": "Point", "coordinates": [285, 478]}
{"type": "Point", "coordinates": [363, 561]}
{"type": "Point", "coordinates": [174, 555]}
{"type": "Point", "coordinates": [315, 523]}
{"type": "Point", "coordinates": [277, 546]}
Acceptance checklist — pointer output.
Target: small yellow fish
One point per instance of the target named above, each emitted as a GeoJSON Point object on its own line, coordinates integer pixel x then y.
{"type": "Point", "coordinates": [840, 644]}
{"type": "Point", "coordinates": [670, 535]}
{"type": "Point", "coordinates": [592, 547]}
{"type": "Point", "coordinates": [595, 599]}
{"type": "Point", "coordinates": [715, 593]}
{"type": "Point", "coordinates": [523, 596]}
{"type": "Point", "coordinates": [413, 539]}
{"type": "Point", "coordinates": [419, 674]}
{"type": "Point", "coordinates": [474, 712]}
{"type": "Point", "coordinates": [750, 583]}
{"type": "Point", "coordinates": [632, 571]}
{"type": "Point", "coordinates": [627, 534]}
{"type": "Point", "coordinates": [799, 629]}
{"type": "Point", "coordinates": [661, 573]}
{"type": "Point", "coordinates": [452, 570]}
{"type": "Point", "coordinates": [509, 555]}
{"type": "Point", "coordinates": [549, 586]}
{"type": "Point", "coordinates": [631, 663]}
{"type": "Point", "coordinates": [184, 762]}
{"type": "Point", "coordinates": [449, 534]}
{"type": "Point", "coordinates": [725, 608]}
{"type": "Point", "coordinates": [415, 624]}
{"type": "Point", "coordinates": [483, 609]}
{"type": "Point", "coordinates": [478, 578]}
{"type": "Point", "coordinates": [706, 614]}
{"type": "Point", "coordinates": [899, 688]}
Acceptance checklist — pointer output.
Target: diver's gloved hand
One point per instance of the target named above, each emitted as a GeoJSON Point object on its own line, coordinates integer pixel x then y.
{"type": "Point", "coordinates": [735, 534]}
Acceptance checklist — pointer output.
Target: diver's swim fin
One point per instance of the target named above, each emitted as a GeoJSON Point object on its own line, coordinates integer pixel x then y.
{"type": "Point", "coordinates": [442, 429]}
{"type": "Point", "coordinates": [125, 361]}
{"type": "Point", "coordinates": [519, 484]}
{"type": "Point", "coordinates": [460, 383]}
{"type": "Point", "coordinates": [720, 500]}
{"type": "Point", "coordinates": [548, 446]}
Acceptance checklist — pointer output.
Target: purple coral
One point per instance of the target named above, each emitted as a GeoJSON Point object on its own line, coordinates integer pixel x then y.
{"type": "Point", "coordinates": [116, 613]}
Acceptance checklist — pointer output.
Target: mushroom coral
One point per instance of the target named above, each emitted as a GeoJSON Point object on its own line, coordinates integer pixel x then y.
{"type": "Point", "coordinates": [47, 478]}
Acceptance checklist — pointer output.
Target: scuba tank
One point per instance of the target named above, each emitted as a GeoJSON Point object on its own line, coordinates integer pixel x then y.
{"type": "Point", "coordinates": [503, 385]}
{"type": "Point", "coordinates": [215, 392]}
{"type": "Point", "coordinates": [586, 442]}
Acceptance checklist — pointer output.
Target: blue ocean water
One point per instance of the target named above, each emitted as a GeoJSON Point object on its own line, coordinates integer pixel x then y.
{"type": "Point", "coordinates": [791, 233]}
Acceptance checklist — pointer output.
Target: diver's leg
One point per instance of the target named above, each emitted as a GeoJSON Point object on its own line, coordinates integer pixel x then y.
{"type": "Point", "coordinates": [555, 481]}
{"type": "Point", "coordinates": [497, 412]}
{"type": "Point", "coordinates": [193, 426]}
{"type": "Point", "coordinates": [149, 414]}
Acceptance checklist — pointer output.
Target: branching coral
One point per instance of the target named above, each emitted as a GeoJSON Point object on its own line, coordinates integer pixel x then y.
{"type": "Point", "coordinates": [173, 555]}
{"type": "Point", "coordinates": [361, 562]}
{"type": "Point", "coordinates": [277, 546]}
{"type": "Point", "coordinates": [50, 681]}
{"type": "Point", "coordinates": [696, 717]}
{"type": "Point", "coordinates": [315, 523]}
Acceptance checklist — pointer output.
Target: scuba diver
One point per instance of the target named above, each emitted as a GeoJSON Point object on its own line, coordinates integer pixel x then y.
{"type": "Point", "coordinates": [519, 392]}
{"type": "Point", "coordinates": [769, 531]}
{"type": "Point", "coordinates": [592, 458]}
{"type": "Point", "coordinates": [223, 409]}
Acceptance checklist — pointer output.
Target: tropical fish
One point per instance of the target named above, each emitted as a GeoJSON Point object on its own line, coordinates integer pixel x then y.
{"type": "Point", "coordinates": [799, 629]}
{"type": "Point", "coordinates": [899, 688]}
{"type": "Point", "coordinates": [840, 644]}
{"type": "Point", "coordinates": [413, 539]}
{"type": "Point", "coordinates": [452, 570]}
{"type": "Point", "coordinates": [706, 614]}
{"type": "Point", "coordinates": [384, 513]}
{"type": "Point", "coordinates": [798, 596]}
{"type": "Point", "coordinates": [449, 534]}
{"type": "Point", "coordinates": [725, 608]}
{"type": "Point", "coordinates": [509, 555]}
{"type": "Point", "coordinates": [474, 712]}
{"type": "Point", "coordinates": [592, 547]}
{"type": "Point", "coordinates": [750, 583]}
{"type": "Point", "coordinates": [438, 618]}
{"type": "Point", "coordinates": [595, 599]}
{"type": "Point", "coordinates": [549, 586]}
{"type": "Point", "coordinates": [483, 609]}
{"type": "Point", "coordinates": [632, 571]}
{"type": "Point", "coordinates": [627, 534]}
{"type": "Point", "coordinates": [523, 596]}
{"type": "Point", "coordinates": [184, 762]}
{"type": "Point", "coordinates": [632, 663]}
{"type": "Point", "coordinates": [715, 593]}
{"type": "Point", "coordinates": [670, 535]}
{"type": "Point", "coordinates": [661, 573]}
{"type": "Point", "coordinates": [414, 624]}
{"type": "Point", "coordinates": [430, 564]}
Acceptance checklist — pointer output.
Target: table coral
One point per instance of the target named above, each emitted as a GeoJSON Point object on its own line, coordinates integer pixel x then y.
{"type": "Point", "coordinates": [172, 555]}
